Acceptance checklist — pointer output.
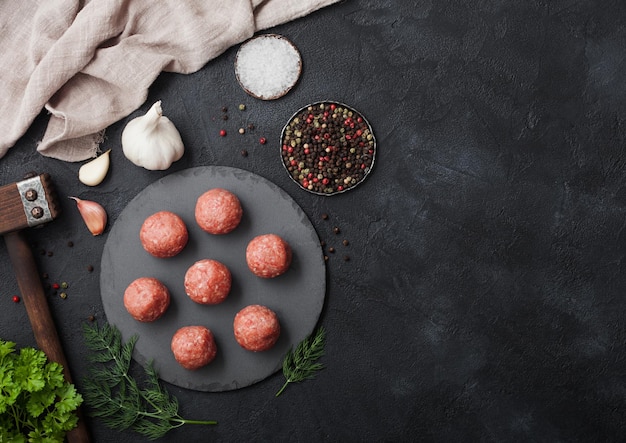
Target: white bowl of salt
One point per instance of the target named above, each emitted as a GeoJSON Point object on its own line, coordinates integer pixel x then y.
{"type": "Point", "coordinates": [268, 66]}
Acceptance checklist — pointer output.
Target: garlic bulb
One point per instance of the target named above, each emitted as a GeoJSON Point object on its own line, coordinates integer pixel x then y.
{"type": "Point", "coordinates": [93, 172]}
{"type": "Point", "coordinates": [93, 214]}
{"type": "Point", "coordinates": [152, 141]}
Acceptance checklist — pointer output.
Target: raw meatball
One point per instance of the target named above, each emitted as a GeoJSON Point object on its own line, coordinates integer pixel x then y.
{"type": "Point", "coordinates": [218, 211]}
{"type": "Point", "coordinates": [268, 256]}
{"type": "Point", "coordinates": [146, 299]}
{"type": "Point", "coordinates": [163, 234]}
{"type": "Point", "coordinates": [208, 282]}
{"type": "Point", "coordinates": [194, 347]}
{"type": "Point", "coordinates": [256, 328]}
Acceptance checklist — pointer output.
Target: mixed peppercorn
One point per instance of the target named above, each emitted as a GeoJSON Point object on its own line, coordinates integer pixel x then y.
{"type": "Point", "coordinates": [51, 287]}
{"type": "Point", "coordinates": [328, 249]}
{"type": "Point", "coordinates": [328, 148]}
{"type": "Point", "coordinates": [242, 130]}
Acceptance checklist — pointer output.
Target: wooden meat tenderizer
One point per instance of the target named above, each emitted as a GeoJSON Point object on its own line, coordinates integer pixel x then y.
{"type": "Point", "coordinates": [28, 203]}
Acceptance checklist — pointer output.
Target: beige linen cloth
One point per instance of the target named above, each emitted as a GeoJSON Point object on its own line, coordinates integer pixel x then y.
{"type": "Point", "coordinates": [90, 63]}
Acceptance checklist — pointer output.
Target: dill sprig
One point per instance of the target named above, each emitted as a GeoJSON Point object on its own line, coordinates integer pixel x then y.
{"type": "Point", "coordinates": [114, 395]}
{"type": "Point", "coordinates": [302, 364]}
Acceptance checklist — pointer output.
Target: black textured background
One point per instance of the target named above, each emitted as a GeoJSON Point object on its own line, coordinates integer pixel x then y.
{"type": "Point", "coordinates": [484, 298]}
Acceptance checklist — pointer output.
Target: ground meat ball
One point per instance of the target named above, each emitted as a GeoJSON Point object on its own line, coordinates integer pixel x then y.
{"type": "Point", "coordinates": [256, 328]}
{"type": "Point", "coordinates": [193, 347]}
{"type": "Point", "coordinates": [218, 211]}
{"type": "Point", "coordinates": [208, 282]}
{"type": "Point", "coordinates": [268, 256]}
{"type": "Point", "coordinates": [146, 299]}
{"type": "Point", "coordinates": [163, 234]}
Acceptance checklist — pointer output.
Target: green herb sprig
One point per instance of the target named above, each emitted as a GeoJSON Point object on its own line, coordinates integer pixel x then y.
{"type": "Point", "coordinates": [114, 395]}
{"type": "Point", "coordinates": [301, 364]}
{"type": "Point", "coordinates": [36, 402]}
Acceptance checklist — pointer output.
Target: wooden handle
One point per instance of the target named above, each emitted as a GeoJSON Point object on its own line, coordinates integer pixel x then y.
{"type": "Point", "coordinates": [39, 314]}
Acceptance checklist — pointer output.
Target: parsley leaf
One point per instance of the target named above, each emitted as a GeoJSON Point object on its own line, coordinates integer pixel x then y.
{"type": "Point", "coordinates": [36, 403]}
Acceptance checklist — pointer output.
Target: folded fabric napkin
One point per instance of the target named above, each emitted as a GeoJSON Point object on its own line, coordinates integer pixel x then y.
{"type": "Point", "coordinates": [90, 63]}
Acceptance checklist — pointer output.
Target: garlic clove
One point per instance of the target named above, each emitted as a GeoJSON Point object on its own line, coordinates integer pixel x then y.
{"type": "Point", "coordinates": [93, 214]}
{"type": "Point", "coordinates": [93, 172]}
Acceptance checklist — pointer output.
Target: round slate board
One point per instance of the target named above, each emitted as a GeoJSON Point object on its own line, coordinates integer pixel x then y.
{"type": "Point", "coordinates": [297, 296]}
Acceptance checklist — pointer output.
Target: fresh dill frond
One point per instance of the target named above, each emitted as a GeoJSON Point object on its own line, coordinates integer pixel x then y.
{"type": "Point", "coordinates": [301, 364]}
{"type": "Point", "coordinates": [114, 395]}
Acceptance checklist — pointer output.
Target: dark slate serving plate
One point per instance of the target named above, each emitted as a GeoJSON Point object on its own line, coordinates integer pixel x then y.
{"type": "Point", "coordinates": [297, 296]}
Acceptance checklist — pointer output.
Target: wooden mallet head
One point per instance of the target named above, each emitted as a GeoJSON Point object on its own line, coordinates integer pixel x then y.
{"type": "Point", "coordinates": [30, 202]}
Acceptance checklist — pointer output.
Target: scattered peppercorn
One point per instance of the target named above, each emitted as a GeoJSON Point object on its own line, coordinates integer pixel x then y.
{"type": "Point", "coordinates": [50, 253]}
{"type": "Point", "coordinates": [225, 117]}
{"type": "Point", "coordinates": [44, 275]}
{"type": "Point", "coordinates": [16, 299]}
{"type": "Point", "coordinates": [91, 318]}
{"type": "Point", "coordinates": [326, 258]}
{"type": "Point", "coordinates": [345, 242]}
{"type": "Point", "coordinates": [224, 109]}
{"type": "Point", "coordinates": [262, 140]}
{"type": "Point", "coordinates": [331, 250]}
{"type": "Point", "coordinates": [70, 244]}
{"type": "Point", "coordinates": [336, 230]}
{"type": "Point", "coordinates": [327, 148]}
{"type": "Point", "coordinates": [250, 126]}
{"type": "Point", "coordinates": [324, 216]}
{"type": "Point", "coordinates": [42, 251]}
{"type": "Point", "coordinates": [244, 153]}
{"type": "Point", "coordinates": [223, 133]}
{"type": "Point", "coordinates": [346, 258]}
{"type": "Point", "coordinates": [90, 268]}
{"type": "Point", "coordinates": [322, 243]}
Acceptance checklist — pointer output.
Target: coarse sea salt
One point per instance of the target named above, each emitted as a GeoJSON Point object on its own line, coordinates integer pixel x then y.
{"type": "Point", "coordinates": [268, 66]}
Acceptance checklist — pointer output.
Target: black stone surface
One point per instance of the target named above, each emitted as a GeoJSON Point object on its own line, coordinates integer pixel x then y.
{"type": "Point", "coordinates": [297, 296]}
{"type": "Point", "coordinates": [484, 295]}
